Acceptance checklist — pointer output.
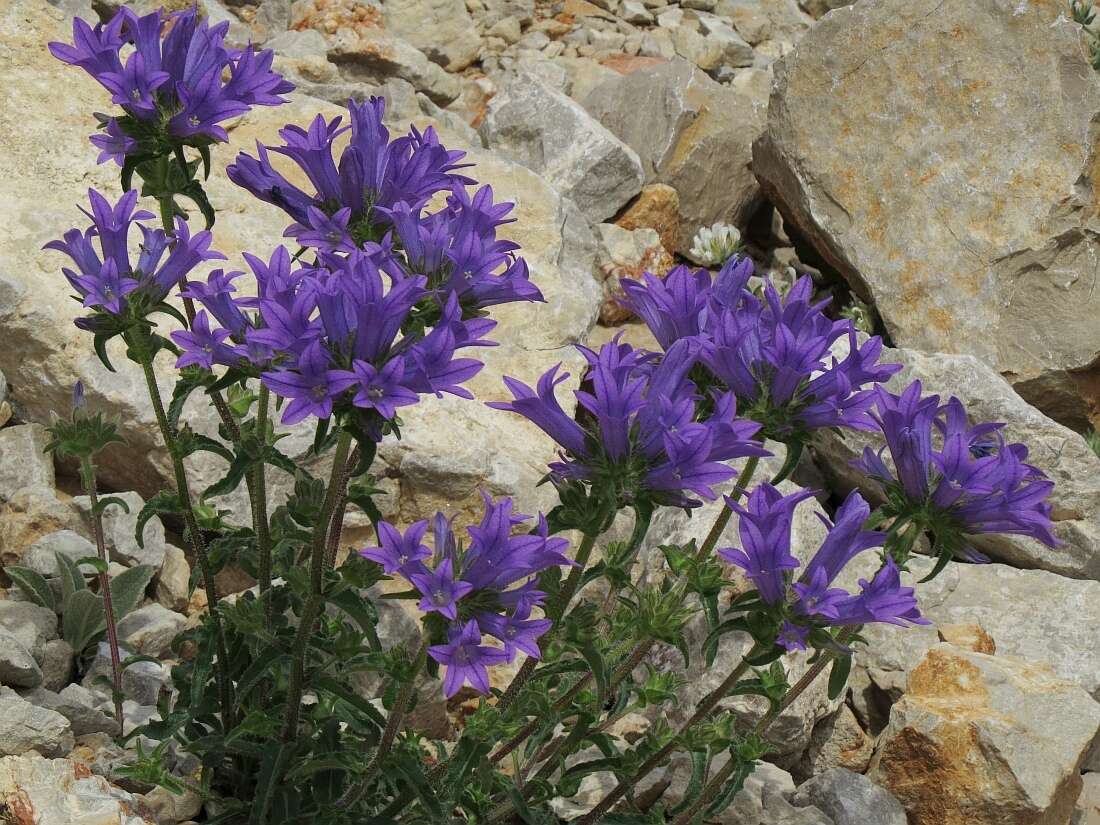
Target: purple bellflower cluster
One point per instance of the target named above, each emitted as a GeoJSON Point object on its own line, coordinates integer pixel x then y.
{"type": "Point", "coordinates": [485, 589]}
{"type": "Point", "coordinates": [330, 335]}
{"type": "Point", "coordinates": [973, 483]}
{"type": "Point", "coordinates": [176, 86]}
{"type": "Point", "coordinates": [637, 436]}
{"type": "Point", "coordinates": [375, 182]}
{"type": "Point", "coordinates": [107, 281]}
{"type": "Point", "coordinates": [772, 352]}
{"type": "Point", "coordinates": [810, 603]}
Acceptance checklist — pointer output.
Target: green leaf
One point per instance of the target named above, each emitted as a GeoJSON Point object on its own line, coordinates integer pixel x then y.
{"type": "Point", "coordinates": [128, 588]}
{"type": "Point", "coordinates": [82, 620]}
{"type": "Point", "coordinates": [107, 501]}
{"type": "Point", "coordinates": [271, 771]}
{"type": "Point", "coordinates": [334, 687]}
{"type": "Point", "coordinates": [238, 469]}
{"type": "Point", "coordinates": [94, 561]}
{"type": "Point", "coordinates": [33, 585]}
{"type": "Point", "coordinates": [596, 663]}
{"type": "Point", "coordinates": [794, 453]}
{"type": "Point", "coordinates": [72, 580]}
{"type": "Point", "coordinates": [99, 343]}
{"type": "Point", "coordinates": [710, 644]}
{"type": "Point", "coordinates": [197, 442]}
{"type": "Point", "coordinates": [838, 676]}
{"type": "Point", "coordinates": [700, 761]}
{"type": "Point", "coordinates": [163, 503]}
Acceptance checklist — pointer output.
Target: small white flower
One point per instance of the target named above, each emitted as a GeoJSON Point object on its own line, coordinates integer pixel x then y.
{"type": "Point", "coordinates": [714, 245]}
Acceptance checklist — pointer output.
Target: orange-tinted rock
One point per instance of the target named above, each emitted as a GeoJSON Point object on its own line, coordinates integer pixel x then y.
{"type": "Point", "coordinates": [657, 207]}
{"type": "Point", "coordinates": [627, 254]}
{"type": "Point", "coordinates": [986, 740]}
{"type": "Point", "coordinates": [627, 63]}
{"type": "Point", "coordinates": [968, 637]}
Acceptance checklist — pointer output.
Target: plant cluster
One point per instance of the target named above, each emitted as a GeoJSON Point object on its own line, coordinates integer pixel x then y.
{"type": "Point", "coordinates": [398, 272]}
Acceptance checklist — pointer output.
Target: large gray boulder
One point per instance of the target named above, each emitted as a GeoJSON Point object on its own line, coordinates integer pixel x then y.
{"type": "Point", "coordinates": [940, 154]}
{"type": "Point", "coordinates": [551, 134]}
{"type": "Point", "coordinates": [691, 133]}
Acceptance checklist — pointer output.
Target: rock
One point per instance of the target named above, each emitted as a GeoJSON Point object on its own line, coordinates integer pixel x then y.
{"type": "Point", "coordinates": [850, 799]}
{"type": "Point", "coordinates": [838, 741]}
{"type": "Point", "coordinates": [819, 8]}
{"type": "Point", "coordinates": [41, 556]}
{"type": "Point", "coordinates": [31, 624]}
{"type": "Point", "coordinates": [496, 10]}
{"type": "Point", "coordinates": [38, 790]}
{"type": "Point", "coordinates": [507, 29]}
{"type": "Point", "coordinates": [1062, 630]}
{"type": "Point", "coordinates": [150, 629]}
{"type": "Point", "coordinates": [1059, 452]}
{"type": "Point", "coordinates": [170, 808]}
{"type": "Point", "coordinates": [657, 207]}
{"type": "Point", "coordinates": [27, 727]}
{"type": "Point", "coordinates": [544, 130]}
{"type": "Point", "coordinates": [17, 665]}
{"type": "Point", "coordinates": [78, 705]}
{"type": "Point", "coordinates": [626, 254]}
{"type": "Point", "coordinates": [141, 681]}
{"type": "Point", "coordinates": [916, 120]}
{"type": "Point", "coordinates": [1087, 811]}
{"type": "Point", "coordinates": [979, 739]}
{"type": "Point", "coordinates": [634, 11]}
{"type": "Point", "coordinates": [441, 29]}
{"type": "Point", "coordinates": [684, 126]}
{"type": "Point", "coordinates": [271, 20]}
{"type": "Point", "coordinates": [120, 527]}
{"type": "Point", "coordinates": [374, 56]}
{"type": "Point", "coordinates": [23, 461]}
{"type": "Point", "coordinates": [968, 637]}
{"type": "Point", "coordinates": [173, 584]}
{"type": "Point", "coordinates": [57, 664]}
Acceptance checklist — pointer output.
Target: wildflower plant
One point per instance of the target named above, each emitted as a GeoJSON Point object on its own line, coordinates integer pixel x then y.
{"type": "Point", "coordinates": [293, 704]}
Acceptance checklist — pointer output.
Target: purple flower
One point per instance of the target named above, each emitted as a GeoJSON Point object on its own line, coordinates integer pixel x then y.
{"type": "Point", "coordinates": [203, 346]}
{"type": "Point", "coordinates": [491, 584]}
{"type": "Point", "coordinates": [399, 553]}
{"type": "Point", "coordinates": [466, 660]}
{"type": "Point", "coordinates": [382, 390]}
{"type": "Point", "coordinates": [178, 84]}
{"type": "Point", "coordinates": [640, 437]}
{"type": "Point", "coordinates": [440, 590]}
{"type": "Point", "coordinates": [765, 528]}
{"type": "Point", "coordinates": [881, 600]}
{"type": "Point", "coordinates": [765, 556]}
{"type": "Point", "coordinates": [374, 175]}
{"type": "Point", "coordinates": [105, 279]}
{"type": "Point", "coordinates": [973, 483]}
{"type": "Point", "coordinates": [312, 385]}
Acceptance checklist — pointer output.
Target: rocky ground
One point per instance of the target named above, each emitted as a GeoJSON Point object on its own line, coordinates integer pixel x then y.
{"type": "Point", "coordinates": [930, 164]}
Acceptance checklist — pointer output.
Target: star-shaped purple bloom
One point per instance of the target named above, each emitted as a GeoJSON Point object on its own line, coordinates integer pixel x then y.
{"type": "Point", "coordinates": [466, 660]}
{"type": "Point", "coordinates": [440, 590]}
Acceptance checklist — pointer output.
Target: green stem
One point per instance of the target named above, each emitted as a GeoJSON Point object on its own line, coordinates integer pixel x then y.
{"type": "Point", "coordinates": [313, 603]}
{"type": "Point", "coordinates": [337, 526]}
{"type": "Point", "coordinates": [389, 734]}
{"type": "Point", "coordinates": [87, 474]}
{"type": "Point", "coordinates": [193, 533]}
{"type": "Point", "coordinates": [740, 486]}
{"type": "Point", "coordinates": [554, 613]}
{"type": "Point", "coordinates": [702, 710]}
{"type": "Point", "coordinates": [715, 785]}
{"type": "Point", "coordinates": [259, 507]}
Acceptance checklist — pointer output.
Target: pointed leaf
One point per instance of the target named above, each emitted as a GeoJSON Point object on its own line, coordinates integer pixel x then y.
{"type": "Point", "coordinates": [83, 619]}
{"type": "Point", "coordinates": [72, 580]}
{"type": "Point", "coordinates": [33, 585]}
{"type": "Point", "coordinates": [128, 588]}
{"type": "Point", "coordinates": [838, 676]}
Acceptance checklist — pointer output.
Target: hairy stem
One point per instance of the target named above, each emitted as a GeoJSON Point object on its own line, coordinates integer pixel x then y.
{"type": "Point", "coordinates": [87, 474]}
{"type": "Point", "coordinates": [258, 493]}
{"type": "Point", "coordinates": [340, 508]}
{"type": "Point", "coordinates": [389, 734]}
{"type": "Point", "coordinates": [192, 531]}
{"type": "Point", "coordinates": [554, 613]}
{"type": "Point", "coordinates": [702, 710]}
{"type": "Point", "coordinates": [313, 603]}
{"type": "Point", "coordinates": [740, 486]}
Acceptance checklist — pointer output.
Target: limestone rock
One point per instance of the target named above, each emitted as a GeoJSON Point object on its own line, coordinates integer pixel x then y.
{"type": "Point", "coordinates": [38, 790]}
{"type": "Point", "coordinates": [57, 664]}
{"type": "Point", "coordinates": [150, 629]}
{"type": "Point", "coordinates": [28, 727]}
{"type": "Point", "coordinates": [41, 556]}
{"type": "Point", "coordinates": [626, 254]}
{"type": "Point", "coordinates": [31, 624]}
{"type": "Point", "coordinates": [986, 740]}
{"type": "Point", "coordinates": [658, 208]}
{"type": "Point", "coordinates": [838, 742]}
{"type": "Point", "coordinates": [546, 131]}
{"type": "Point", "coordinates": [1059, 452]}
{"type": "Point", "coordinates": [23, 460]}
{"type": "Point", "coordinates": [1087, 811]}
{"type": "Point", "coordinates": [968, 637]}
{"type": "Point", "coordinates": [141, 681]}
{"type": "Point", "coordinates": [1062, 627]}
{"type": "Point", "coordinates": [947, 173]}
{"type": "Point", "coordinates": [441, 29]}
{"type": "Point", "coordinates": [691, 133]}
{"type": "Point", "coordinates": [173, 582]}
{"type": "Point", "coordinates": [77, 704]}
{"type": "Point", "coordinates": [17, 665]}
{"type": "Point", "coordinates": [850, 799]}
